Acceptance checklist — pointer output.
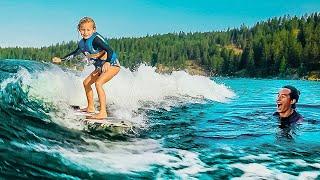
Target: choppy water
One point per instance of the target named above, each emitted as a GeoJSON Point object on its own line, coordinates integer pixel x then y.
{"type": "Point", "coordinates": [186, 127]}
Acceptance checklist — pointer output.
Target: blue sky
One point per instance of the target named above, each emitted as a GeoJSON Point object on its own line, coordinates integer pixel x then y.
{"type": "Point", "coordinates": [36, 23]}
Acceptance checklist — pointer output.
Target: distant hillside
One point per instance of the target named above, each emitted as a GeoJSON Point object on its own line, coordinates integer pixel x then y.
{"type": "Point", "coordinates": [282, 46]}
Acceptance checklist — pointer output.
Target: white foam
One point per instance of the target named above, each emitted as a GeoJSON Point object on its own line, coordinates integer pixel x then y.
{"type": "Point", "coordinates": [127, 92]}
{"type": "Point", "coordinates": [22, 74]}
{"type": "Point", "coordinates": [316, 165]}
{"type": "Point", "coordinates": [259, 157]}
{"type": "Point", "coordinates": [57, 86]}
{"type": "Point", "coordinates": [302, 163]}
{"type": "Point", "coordinates": [297, 162]}
{"type": "Point", "coordinates": [140, 155]}
{"type": "Point", "coordinates": [309, 175]}
{"type": "Point", "coordinates": [259, 171]}
{"type": "Point", "coordinates": [253, 170]}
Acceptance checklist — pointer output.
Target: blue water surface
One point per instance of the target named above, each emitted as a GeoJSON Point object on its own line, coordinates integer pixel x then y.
{"type": "Point", "coordinates": [202, 139]}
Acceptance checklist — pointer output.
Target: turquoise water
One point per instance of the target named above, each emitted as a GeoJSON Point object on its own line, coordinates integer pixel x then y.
{"type": "Point", "coordinates": [185, 127]}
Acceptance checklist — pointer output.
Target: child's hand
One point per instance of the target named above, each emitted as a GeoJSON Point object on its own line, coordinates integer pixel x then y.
{"type": "Point", "coordinates": [105, 67]}
{"type": "Point", "coordinates": [104, 56]}
{"type": "Point", "coordinates": [56, 60]}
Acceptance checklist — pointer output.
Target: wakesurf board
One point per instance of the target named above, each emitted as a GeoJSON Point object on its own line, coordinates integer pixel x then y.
{"type": "Point", "coordinates": [111, 125]}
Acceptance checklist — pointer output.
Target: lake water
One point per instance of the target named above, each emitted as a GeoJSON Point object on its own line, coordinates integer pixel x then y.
{"type": "Point", "coordinates": [185, 127]}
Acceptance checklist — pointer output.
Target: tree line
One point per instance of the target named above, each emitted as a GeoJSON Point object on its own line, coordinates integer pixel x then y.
{"type": "Point", "coordinates": [278, 46]}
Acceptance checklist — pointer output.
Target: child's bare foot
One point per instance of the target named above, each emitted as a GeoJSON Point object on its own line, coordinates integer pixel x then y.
{"type": "Point", "coordinates": [98, 116]}
{"type": "Point", "coordinates": [88, 110]}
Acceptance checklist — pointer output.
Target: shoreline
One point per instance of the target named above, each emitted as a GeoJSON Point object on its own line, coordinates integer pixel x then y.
{"type": "Point", "coordinates": [193, 68]}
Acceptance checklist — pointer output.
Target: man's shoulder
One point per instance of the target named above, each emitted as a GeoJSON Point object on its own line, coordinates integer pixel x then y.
{"type": "Point", "coordinates": [298, 117]}
{"type": "Point", "coordinates": [293, 118]}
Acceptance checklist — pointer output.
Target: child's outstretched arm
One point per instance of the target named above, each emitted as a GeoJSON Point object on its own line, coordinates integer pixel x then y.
{"type": "Point", "coordinates": [67, 57]}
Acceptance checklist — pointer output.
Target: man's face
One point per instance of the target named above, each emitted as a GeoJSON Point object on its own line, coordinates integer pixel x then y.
{"type": "Point", "coordinates": [284, 101]}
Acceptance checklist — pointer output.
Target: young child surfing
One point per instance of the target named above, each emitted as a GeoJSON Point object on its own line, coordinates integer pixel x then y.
{"type": "Point", "coordinates": [96, 48]}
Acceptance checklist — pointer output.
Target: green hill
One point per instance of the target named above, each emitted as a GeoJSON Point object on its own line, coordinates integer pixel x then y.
{"type": "Point", "coordinates": [280, 46]}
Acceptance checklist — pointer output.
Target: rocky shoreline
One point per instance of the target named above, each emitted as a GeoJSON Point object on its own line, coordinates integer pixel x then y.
{"type": "Point", "coordinates": [313, 76]}
{"type": "Point", "coordinates": [193, 68]}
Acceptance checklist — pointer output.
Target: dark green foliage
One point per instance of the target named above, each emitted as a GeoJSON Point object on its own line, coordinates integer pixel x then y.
{"type": "Point", "coordinates": [278, 46]}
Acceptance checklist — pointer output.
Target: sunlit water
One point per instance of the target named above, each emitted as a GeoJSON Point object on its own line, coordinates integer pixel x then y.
{"type": "Point", "coordinates": [185, 127]}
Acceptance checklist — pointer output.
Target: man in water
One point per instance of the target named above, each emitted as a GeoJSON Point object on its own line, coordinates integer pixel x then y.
{"type": "Point", "coordinates": [288, 96]}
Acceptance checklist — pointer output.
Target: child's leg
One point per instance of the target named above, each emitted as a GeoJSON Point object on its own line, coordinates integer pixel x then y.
{"type": "Point", "coordinates": [103, 78]}
{"type": "Point", "coordinates": [89, 93]}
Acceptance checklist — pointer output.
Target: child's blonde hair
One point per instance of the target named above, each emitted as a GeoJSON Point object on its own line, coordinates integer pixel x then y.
{"type": "Point", "coordinates": [86, 20]}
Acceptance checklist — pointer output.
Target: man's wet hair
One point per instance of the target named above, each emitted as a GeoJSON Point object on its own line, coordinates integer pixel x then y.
{"type": "Point", "coordinates": [294, 94]}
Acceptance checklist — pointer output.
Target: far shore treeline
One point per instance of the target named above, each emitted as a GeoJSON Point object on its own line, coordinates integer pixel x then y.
{"type": "Point", "coordinates": [281, 46]}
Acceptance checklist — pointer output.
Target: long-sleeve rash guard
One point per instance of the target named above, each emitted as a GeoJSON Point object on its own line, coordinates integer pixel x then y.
{"type": "Point", "coordinates": [97, 43]}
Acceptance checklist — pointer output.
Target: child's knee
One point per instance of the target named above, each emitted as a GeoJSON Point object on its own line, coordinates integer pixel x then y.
{"type": "Point", "coordinates": [86, 83]}
{"type": "Point", "coordinates": [98, 84]}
